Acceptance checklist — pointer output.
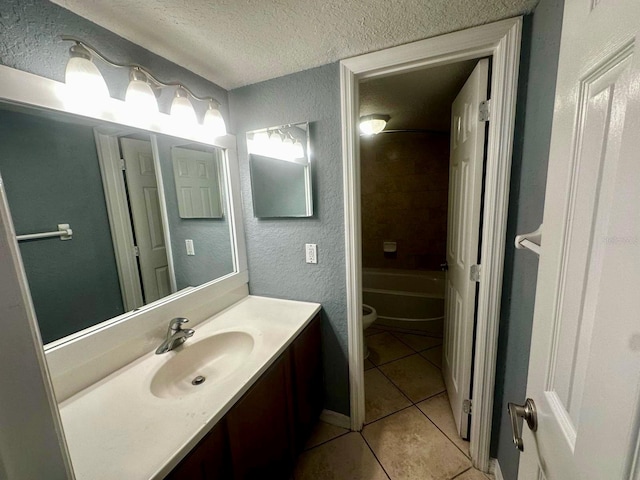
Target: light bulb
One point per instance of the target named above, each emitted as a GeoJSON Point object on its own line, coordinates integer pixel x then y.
{"type": "Point", "coordinates": [298, 150]}
{"type": "Point", "coordinates": [214, 122]}
{"type": "Point", "coordinates": [288, 148]}
{"type": "Point", "coordinates": [86, 89]}
{"type": "Point", "coordinates": [260, 143]}
{"type": "Point", "coordinates": [182, 110]}
{"type": "Point", "coordinates": [140, 97]}
{"type": "Point", "coordinates": [373, 124]}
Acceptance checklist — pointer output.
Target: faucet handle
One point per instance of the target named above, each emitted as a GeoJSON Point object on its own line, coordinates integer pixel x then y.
{"type": "Point", "coordinates": [177, 322]}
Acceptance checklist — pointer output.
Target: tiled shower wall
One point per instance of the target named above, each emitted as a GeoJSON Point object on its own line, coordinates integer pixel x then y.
{"type": "Point", "coordinates": [405, 178]}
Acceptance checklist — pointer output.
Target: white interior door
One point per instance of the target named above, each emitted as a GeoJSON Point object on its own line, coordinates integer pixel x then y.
{"type": "Point", "coordinates": [584, 369]}
{"type": "Point", "coordinates": [465, 188]}
{"type": "Point", "coordinates": [146, 216]}
{"type": "Point", "coordinates": [197, 183]}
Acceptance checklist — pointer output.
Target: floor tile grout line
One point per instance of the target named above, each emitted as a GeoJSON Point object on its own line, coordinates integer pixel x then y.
{"type": "Point", "coordinates": [374, 455]}
{"type": "Point", "coordinates": [402, 391]}
{"type": "Point", "coordinates": [442, 431]}
{"type": "Point", "coordinates": [326, 441]}
{"type": "Point", "coordinates": [461, 473]}
{"type": "Point", "coordinates": [397, 387]}
{"type": "Point", "coordinates": [413, 348]}
{"type": "Point", "coordinates": [396, 359]}
{"type": "Point", "coordinates": [387, 415]}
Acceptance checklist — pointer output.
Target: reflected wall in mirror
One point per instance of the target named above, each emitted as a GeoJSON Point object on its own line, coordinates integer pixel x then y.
{"type": "Point", "coordinates": [115, 187]}
{"type": "Point", "coordinates": [280, 166]}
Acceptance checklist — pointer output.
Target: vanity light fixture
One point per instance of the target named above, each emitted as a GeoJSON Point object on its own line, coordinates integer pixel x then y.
{"type": "Point", "coordinates": [140, 96]}
{"type": "Point", "coordinates": [373, 124]}
{"type": "Point", "coordinates": [84, 78]}
{"type": "Point", "coordinates": [182, 109]}
{"type": "Point", "coordinates": [213, 119]}
{"type": "Point", "coordinates": [87, 85]}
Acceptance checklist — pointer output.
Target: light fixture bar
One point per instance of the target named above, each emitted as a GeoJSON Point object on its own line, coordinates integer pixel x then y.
{"type": "Point", "coordinates": [134, 66]}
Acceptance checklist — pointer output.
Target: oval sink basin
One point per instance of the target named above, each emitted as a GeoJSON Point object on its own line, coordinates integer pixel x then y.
{"type": "Point", "coordinates": [202, 363]}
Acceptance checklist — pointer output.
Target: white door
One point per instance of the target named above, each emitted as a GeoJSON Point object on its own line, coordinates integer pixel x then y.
{"type": "Point", "coordinates": [197, 183]}
{"type": "Point", "coordinates": [584, 369]}
{"type": "Point", "coordinates": [147, 221]}
{"type": "Point", "coordinates": [465, 188]}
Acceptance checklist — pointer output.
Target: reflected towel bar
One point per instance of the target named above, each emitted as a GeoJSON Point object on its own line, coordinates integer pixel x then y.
{"type": "Point", "coordinates": [531, 241]}
{"type": "Point", "coordinates": [64, 232]}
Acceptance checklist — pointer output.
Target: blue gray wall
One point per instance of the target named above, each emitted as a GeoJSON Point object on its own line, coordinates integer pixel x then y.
{"type": "Point", "coordinates": [211, 236]}
{"type": "Point", "coordinates": [29, 41]}
{"type": "Point", "coordinates": [539, 61]}
{"type": "Point", "coordinates": [275, 247]}
{"type": "Point", "coordinates": [51, 174]}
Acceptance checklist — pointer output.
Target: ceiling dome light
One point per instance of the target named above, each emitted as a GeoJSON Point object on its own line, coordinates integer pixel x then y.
{"type": "Point", "coordinates": [373, 124]}
{"type": "Point", "coordinates": [85, 85]}
{"type": "Point", "coordinates": [140, 97]}
{"type": "Point", "coordinates": [213, 120]}
{"type": "Point", "coordinates": [182, 109]}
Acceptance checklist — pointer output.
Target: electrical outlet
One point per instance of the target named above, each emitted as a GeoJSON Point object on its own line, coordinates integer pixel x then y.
{"type": "Point", "coordinates": [311, 252]}
{"type": "Point", "coordinates": [190, 250]}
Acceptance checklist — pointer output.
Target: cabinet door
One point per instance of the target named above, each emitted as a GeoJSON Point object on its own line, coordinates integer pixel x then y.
{"type": "Point", "coordinates": [308, 387]}
{"type": "Point", "coordinates": [260, 428]}
{"type": "Point", "coordinates": [209, 460]}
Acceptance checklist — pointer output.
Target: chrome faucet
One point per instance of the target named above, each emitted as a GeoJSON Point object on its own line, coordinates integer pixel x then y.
{"type": "Point", "coordinates": [176, 335]}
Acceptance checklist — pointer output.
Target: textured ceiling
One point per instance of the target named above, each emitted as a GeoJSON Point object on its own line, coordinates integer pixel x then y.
{"type": "Point", "coordinates": [240, 42]}
{"type": "Point", "coordinates": [420, 99]}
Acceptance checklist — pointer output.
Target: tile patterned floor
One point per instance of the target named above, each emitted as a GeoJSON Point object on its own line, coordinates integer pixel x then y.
{"type": "Point", "coordinates": [409, 430]}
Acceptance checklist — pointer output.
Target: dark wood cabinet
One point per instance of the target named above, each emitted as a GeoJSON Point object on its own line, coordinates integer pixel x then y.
{"type": "Point", "coordinates": [308, 385]}
{"type": "Point", "coordinates": [262, 433]}
{"type": "Point", "coordinates": [260, 430]}
{"type": "Point", "coordinates": [210, 459]}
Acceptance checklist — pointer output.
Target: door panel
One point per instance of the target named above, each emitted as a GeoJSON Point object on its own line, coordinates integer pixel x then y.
{"type": "Point", "coordinates": [144, 202]}
{"type": "Point", "coordinates": [465, 188]}
{"type": "Point", "coordinates": [584, 365]}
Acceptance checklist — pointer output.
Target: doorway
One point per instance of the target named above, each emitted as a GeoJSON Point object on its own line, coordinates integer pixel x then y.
{"type": "Point", "coordinates": [132, 182]}
{"type": "Point", "coordinates": [499, 41]}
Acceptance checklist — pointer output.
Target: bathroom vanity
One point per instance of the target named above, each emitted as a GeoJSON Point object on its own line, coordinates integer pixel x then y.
{"type": "Point", "coordinates": [251, 415]}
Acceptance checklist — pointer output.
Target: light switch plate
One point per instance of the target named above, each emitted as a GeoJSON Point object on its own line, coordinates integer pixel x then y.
{"type": "Point", "coordinates": [311, 252]}
{"type": "Point", "coordinates": [189, 243]}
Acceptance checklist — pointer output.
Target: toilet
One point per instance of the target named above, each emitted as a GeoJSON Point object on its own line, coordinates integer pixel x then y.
{"type": "Point", "coordinates": [369, 315]}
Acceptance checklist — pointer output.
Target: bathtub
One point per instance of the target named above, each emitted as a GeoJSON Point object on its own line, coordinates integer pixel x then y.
{"type": "Point", "coordinates": [406, 300]}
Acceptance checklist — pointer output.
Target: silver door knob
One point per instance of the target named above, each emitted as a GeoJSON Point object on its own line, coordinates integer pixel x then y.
{"type": "Point", "coordinates": [528, 413]}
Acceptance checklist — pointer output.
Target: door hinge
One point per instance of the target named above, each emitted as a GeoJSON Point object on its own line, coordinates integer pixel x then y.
{"type": "Point", "coordinates": [484, 111]}
{"type": "Point", "coordinates": [122, 164]}
{"type": "Point", "coordinates": [466, 407]}
{"type": "Point", "coordinates": [136, 251]}
{"type": "Point", "coordinates": [474, 273]}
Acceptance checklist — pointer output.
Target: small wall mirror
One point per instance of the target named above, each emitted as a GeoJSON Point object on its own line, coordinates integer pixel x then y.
{"type": "Point", "coordinates": [197, 176]}
{"type": "Point", "coordinates": [279, 161]}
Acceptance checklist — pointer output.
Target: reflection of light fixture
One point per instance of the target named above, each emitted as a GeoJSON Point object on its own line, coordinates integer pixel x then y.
{"type": "Point", "coordinates": [140, 97]}
{"type": "Point", "coordinates": [279, 143]}
{"type": "Point", "coordinates": [87, 89]}
{"type": "Point", "coordinates": [373, 124]}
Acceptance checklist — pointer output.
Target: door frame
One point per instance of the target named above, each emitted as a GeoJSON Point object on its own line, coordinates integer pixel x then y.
{"type": "Point", "coordinates": [109, 158]}
{"type": "Point", "coordinates": [501, 42]}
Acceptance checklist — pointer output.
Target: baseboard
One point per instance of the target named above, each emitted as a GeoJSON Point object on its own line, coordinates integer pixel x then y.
{"type": "Point", "coordinates": [494, 469]}
{"type": "Point", "coordinates": [335, 418]}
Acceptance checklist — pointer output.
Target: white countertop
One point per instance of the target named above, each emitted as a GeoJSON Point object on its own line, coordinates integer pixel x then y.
{"type": "Point", "coordinates": [117, 429]}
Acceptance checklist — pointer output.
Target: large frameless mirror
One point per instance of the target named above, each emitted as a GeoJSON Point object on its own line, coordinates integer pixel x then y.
{"type": "Point", "coordinates": [99, 216]}
{"type": "Point", "coordinates": [280, 165]}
